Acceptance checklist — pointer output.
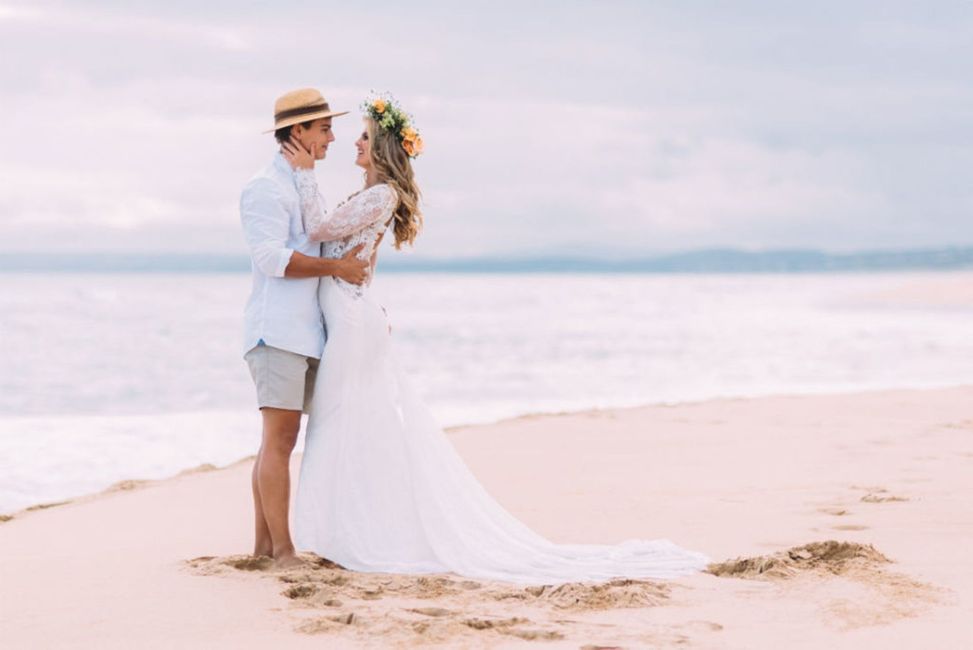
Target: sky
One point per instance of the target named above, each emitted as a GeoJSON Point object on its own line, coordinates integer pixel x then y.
{"type": "Point", "coordinates": [600, 128]}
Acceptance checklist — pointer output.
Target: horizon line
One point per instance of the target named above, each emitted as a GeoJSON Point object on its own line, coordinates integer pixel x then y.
{"type": "Point", "coordinates": [712, 260]}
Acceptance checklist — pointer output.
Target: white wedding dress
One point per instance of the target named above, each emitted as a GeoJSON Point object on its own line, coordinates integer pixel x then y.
{"type": "Point", "coordinates": [381, 487]}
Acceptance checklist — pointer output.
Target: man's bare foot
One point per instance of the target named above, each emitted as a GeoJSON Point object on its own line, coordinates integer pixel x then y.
{"type": "Point", "coordinates": [263, 545]}
{"type": "Point", "coordinates": [263, 551]}
{"type": "Point", "coordinates": [287, 561]}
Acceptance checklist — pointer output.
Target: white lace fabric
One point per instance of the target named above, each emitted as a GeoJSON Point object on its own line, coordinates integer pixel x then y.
{"type": "Point", "coordinates": [362, 219]}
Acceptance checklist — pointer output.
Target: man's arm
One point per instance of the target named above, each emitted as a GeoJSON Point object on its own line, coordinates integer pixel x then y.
{"type": "Point", "coordinates": [349, 268]}
{"type": "Point", "coordinates": [265, 228]}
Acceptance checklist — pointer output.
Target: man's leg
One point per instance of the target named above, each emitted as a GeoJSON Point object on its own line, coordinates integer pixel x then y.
{"type": "Point", "coordinates": [262, 545]}
{"type": "Point", "coordinates": [272, 471]}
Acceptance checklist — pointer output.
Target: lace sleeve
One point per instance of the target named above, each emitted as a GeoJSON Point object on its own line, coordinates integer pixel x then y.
{"type": "Point", "coordinates": [360, 211]}
{"type": "Point", "coordinates": [314, 211]}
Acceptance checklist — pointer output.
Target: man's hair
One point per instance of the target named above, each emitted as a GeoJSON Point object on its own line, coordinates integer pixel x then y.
{"type": "Point", "coordinates": [284, 133]}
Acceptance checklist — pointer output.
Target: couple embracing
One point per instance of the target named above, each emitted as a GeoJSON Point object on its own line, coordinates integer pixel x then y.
{"type": "Point", "coordinates": [381, 488]}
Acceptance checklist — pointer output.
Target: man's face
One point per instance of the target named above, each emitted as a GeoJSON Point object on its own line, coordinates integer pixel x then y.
{"type": "Point", "coordinates": [315, 137]}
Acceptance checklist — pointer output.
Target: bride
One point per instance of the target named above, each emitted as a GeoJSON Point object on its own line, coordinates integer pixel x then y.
{"type": "Point", "coordinates": [381, 487]}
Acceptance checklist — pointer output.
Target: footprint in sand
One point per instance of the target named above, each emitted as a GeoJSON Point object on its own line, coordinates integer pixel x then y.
{"type": "Point", "coordinates": [877, 494]}
{"type": "Point", "coordinates": [706, 626]}
{"type": "Point", "coordinates": [210, 565]}
{"type": "Point", "coordinates": [251, 563]}
{"type": "Point", "coordinates": [493, 624]}
{"type": "Point", "coordinates": [431, 611]}
{"type": "Point", "coordinates": [328, 623]}
{"type": "Point", "coordinates": [614, 594]}
{"type": "Point", "coordinates": [872, 497]}
{"type": "Point", "coordinates": [849, 527]}
{"type": "Point", "coordinates": [300, 591]}
{"type": "Point", "coordinates": [535, 635]}
{"type": "Point", "coordinates": [509, 627]}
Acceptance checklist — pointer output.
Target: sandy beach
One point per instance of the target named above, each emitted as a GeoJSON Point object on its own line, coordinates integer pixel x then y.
{"type": "Point", "coordinates": [837, 521]}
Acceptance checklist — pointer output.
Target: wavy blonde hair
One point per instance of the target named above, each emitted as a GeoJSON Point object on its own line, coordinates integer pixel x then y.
{"type": "Point", "coordinates": [394, 168]}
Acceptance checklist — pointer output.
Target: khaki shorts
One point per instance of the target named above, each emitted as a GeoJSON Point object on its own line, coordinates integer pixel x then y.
{"type": "Point", "coordinates": [284, 380]}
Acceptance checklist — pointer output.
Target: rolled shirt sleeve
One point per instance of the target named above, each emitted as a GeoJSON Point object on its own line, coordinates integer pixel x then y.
{"type": "Point", "coordinates": [265, 227]}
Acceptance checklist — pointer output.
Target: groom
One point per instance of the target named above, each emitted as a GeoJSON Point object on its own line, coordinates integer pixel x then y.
{"type": "Point", "coordinates": [283, 326]}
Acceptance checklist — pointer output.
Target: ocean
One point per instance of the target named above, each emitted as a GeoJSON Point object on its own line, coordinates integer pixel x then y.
{"type": "Point", "coordinates": [112, 376]}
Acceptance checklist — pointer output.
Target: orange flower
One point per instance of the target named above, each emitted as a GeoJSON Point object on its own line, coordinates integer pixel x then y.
{"type": "Point", "coordinates": [409, 133]}
{"type": "Point", "coordinates": [413, 146]}
{"type": "Point", "coordinates": [379, 105]}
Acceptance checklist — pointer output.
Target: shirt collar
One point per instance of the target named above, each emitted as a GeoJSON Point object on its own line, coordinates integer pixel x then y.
{"type": "Point", "coordinates": [281, 163]}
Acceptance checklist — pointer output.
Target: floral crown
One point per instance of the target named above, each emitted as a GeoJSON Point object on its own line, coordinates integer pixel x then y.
{"type": "Point", "coordinates": [390, 117]}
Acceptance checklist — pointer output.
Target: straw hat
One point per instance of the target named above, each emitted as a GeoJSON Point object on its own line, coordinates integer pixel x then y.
{"type": "Point", "coordinates": [299, 106]}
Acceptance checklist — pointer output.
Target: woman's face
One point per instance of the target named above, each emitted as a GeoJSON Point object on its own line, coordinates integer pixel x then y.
{"type": "Point", "coordinates": [364, 158]}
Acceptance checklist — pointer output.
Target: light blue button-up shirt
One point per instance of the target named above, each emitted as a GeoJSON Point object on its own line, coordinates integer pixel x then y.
{"type": "Point", "coordinates": [281, 312]}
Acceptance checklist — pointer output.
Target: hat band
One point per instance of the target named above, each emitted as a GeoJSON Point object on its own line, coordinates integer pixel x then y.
{"type": "Point", "coordinates": [303, 110]}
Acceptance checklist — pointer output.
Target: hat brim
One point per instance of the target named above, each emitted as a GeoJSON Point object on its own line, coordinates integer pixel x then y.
{"type": "Point", "coordinates": [300, 119]}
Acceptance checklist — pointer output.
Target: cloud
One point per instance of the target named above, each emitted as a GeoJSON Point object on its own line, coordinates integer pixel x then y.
{"type": "Point", "coordinates": [613, 127]}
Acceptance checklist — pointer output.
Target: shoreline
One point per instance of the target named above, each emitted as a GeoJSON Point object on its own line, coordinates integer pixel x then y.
{"type": "Point", "coordinates": [135, 482]}
{"type": "Point", "coordinates": [131, 483]}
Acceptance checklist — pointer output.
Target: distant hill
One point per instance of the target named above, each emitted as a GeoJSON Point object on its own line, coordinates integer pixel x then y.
{"type": "Point", "coordinates": [701, 261]}
{"type": "Point", "coordinates": [709, 261]}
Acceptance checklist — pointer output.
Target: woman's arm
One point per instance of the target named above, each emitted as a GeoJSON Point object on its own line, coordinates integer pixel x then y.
{"type": "Point", "coordinates": [362, 210]}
